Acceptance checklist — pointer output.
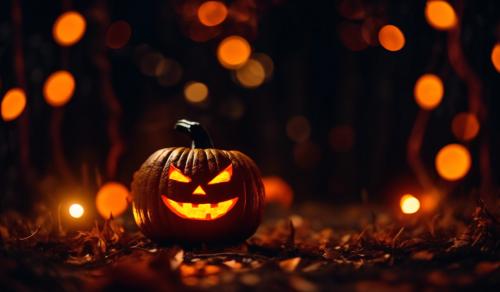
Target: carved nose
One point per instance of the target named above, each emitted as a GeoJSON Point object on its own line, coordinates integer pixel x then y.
{"type": "Point", "coordinates": [199, 191]}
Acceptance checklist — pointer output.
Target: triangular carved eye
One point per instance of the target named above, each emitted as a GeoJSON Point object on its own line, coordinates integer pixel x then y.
{"type": "Point", "coordinates": [223, 176]}
{"type": "Point", "coordinates": [177, 175]}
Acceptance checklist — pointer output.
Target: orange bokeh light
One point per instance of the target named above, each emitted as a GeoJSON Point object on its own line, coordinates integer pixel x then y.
{"type": "Point", "coordinates": [195, 92]}
{"type": "Point", "coordinates": [391, 38]}
{"type": "Point", "coordinates": [252, 74]}
{"type": "Point", "coordinates": [453, 162]}
{"type": "Point", "coordinates": [465, 126]}
{"type": "Point", "coordinates": [409, 204]}
{"type": "Point", "coordinates": [278, 191]}
{"type": "Point", "coordinates": [59, 88]}
{"type": "Point", "coordinates": [428, 91]}
{"type": "Point", "coordinates": [440, 15]}
{"type": "Point", "coordinates": [118, 34]}
{"type": "Point", "coordinates": [495, 57]}
{"type": "Point", "coordinates": [13, 104]}
{"type": "Point", "coordinates": [233, 52]}
{"type": "Point", "coordinates": [69, 28]}
{"type": "Point", "coordinates": [212, 13]}
{"type": "Point", "coordinates": [112, 198]}
{"type": "Point", "coordinates": [76, 211]}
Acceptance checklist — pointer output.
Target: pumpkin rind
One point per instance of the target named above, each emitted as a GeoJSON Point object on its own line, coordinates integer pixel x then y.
{"type": "Point", "coordinates": [157, 222]}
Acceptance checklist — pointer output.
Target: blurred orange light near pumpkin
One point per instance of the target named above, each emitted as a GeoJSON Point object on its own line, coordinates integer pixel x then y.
{"type": "Point", "coordinates": [409, 204]}
{"type": "Point", "coordinates": [277, 190]}
{"type": "Point", "coordinates": [59, 88]}
{"type": "Point", "coordinates": [118, 34]}
{"type": "Point", "coordinates": [428, 91]}
{"type": "Point", "coordinates": [212, 13]}
{"type": "Point", "coordinates": [440, 15]}
{"type": "Point", "coordinates": [112, 198]}
{"type": "Point", "coordinates": [13, 104]}
{"type": "Point", "coordinates": [69, 28]}
{"type": "Point", "coordinates": [76, 211]}
{"type": "Point", "coordinates": [233, 52]}
{"type": "Point", "coordinates": [251, 74]}
{"type": "Point", "coordinates": [195, 92]}
{"type": "Point", "coordinates": [453, 162]}
{"type": "Point", "coordinates": [465, 126]}
{"type": "Point", "coordinates": [391, 38]}
{"type": "Point", "coordinates": [495, 57]}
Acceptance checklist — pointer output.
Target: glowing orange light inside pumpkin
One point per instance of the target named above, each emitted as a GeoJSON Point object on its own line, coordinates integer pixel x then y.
{"type": "Point", "coordinates": [199, 211]}
{"type": "Point", "coordinates": [112, 199]}
{"type": "Point", "coordinates": [195, 92]}
{"type": "Point", "coordinates": [277, 190]}
{"type": "Point", "coordinates": [212, 13]}
{"type": "Point", "coordinates": [118, 34]}
{"type": "Point", "coordinates": [428, 91]}
{"type": "Point", "coordinates": [13, 104]}
{"type": "Point", "coordinates": [440, 15]}
{"type": "Point", "coordinates": [223, 176]}
{"type": "Point", "coordinates": [453, 162]}
{"type": "Point", "coordinates": [69, 28]}
{"type": "Point", "coordinates": [409, 204]}
{"type": "Point", "coordinates": [391, 38]}
{"type": "Point", "coordinates": [175, 174]}
{"type": "Point", "coordinates": [76, 211]}
{"type": "Point", "coordinates": [59, 88]}
{"type": "Point", "coordinates": [465, 126]}
{"type": "Point", "coordinates": [233, 52]}
{"type": "Point", "coordinates": [495, 57]}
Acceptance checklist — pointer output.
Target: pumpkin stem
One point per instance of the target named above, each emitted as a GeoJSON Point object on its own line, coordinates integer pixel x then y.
{"type": "Point", "coordinates": [198, 134]}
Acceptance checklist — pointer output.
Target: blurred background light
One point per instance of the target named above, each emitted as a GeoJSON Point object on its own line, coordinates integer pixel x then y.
{"type": "Point", "coordinates": [251, 75]}
{"type": "Point", "coordinates": [391, 38]}
{"type": "Point", "coordinates": [69, 28]}
{"type": "Point", "coordinates": [298, 129]}
{"type": "Point", "coordinates": [277, 190]}
{"type": "Point", "coordinates": [409, 204]}
{"type": "Point", "coordinates": [118, 34]}
{"type": "Point", "coordinates": [233, 52]}
{"type": "Point", "coordinates": [428, 91]}
{"type": "Point", "coordinates": [59, 88]}
{"type": "Point", "coordinates": [13, 104]}
{"type": "Point", "coordinates": [195, 92]}
{"type": "Point", "coordinates": [495, 57]}
{"type": "Point", "coordinates": [212, 13]}
{"type": "Point", "coordinates": [76, 211]}
{"type": "Point", "coordinates": [453, 162]}
{"type": "Point", "coordinates": [440, 15]}
{"type": "Point", "coordinates": [112, 198]}
{"type": "Point", "coordinates": [465, 126]}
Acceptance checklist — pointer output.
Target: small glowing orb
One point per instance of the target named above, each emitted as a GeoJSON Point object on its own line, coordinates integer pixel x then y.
{"type": "Point", "coordinates": [118, 34]}
{"type": "Point", "coordinates": [409, 204]}
{"type": "Point", "coordinates": [59, 88]}
{"type": "Point", "coordinates": [440, 15]}
{"type": "Point", "coordinates": [233, 52]}
{"type": "Point", "coordinates": [76, 211]}
{"type": "Point", "coordinates": [112, 199]}
{"type": "Point", "coordinates": [13, 104]}
{"type": "Point", "coordinates": [465, 126]}
{"type": "Point", "coordinates": [428, 91]}
{"type": "Point", "coordinates": [212, 13]}
{"type": "Point", "coordinates": [69, 28]}
{"type": "Point", "coordinates": [195, 92]}
{"type": "Point", "coordinates": [391, 38]}
{"type": "Point", "coordinates": [251, 75]}
{"type": "Point", "coordinates": [495, 57]}
{"type": "Point", "coordinates": [277, 190]}
{"type": "Point", "coordinates": [453, 162]}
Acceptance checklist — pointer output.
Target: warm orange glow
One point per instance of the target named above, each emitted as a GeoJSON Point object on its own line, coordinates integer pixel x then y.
{"type": "Point", "coordinates": [59, 88]}
{"type": "Point", "coordinates": [118, 34]}
{"type": "Point", "coordinates": [409, 204]}
{"type": "Point", "coordinates": [495, 57]}
{"type": "Point", "coordinates": [69, 28]}
{"type": "Point", "coordinates": [266, 62]}
{"type": "Point", "coordinates": [199, 191]}
{"type": "Point", "coordinates": [465, 126]}
{"type": "Point", "coordinates": [440, 15]}
{"type": "Point", "coordinates": [233, 52]}
{"type": "Point", "coordinates": [199, 211]}
{"type": "Point", "coordinates": [224, 176]}
{"type": "Point", "coordinates": [428, 91]}
{"type": "Point", "coordinates": [76, 211]}
{"type": "Point", "coordinates": [212, 13]}
{"type": "Point", "coordinates": [175, 174]}
{"type": "Point", "coordinates": [13, 104]}
{"type": "Point", "coordinates": [391, 38]}
{"type": "Point", "coordinates": [453, 162]}
{"type": "Point", "coordinates": [277, 190]}
{"type": "Point", "coordinates": [112, 198]}
{"type": "Point", "coordinates": [195, 92]}
{"type": "Point", "coordinates": [251, 75]}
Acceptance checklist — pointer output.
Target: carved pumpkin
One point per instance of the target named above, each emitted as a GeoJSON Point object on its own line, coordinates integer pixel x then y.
{"type": "Point", "coordinates": [197, 195]}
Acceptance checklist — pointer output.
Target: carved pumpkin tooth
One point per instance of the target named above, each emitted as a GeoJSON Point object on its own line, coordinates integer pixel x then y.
{"type": "Point", "coordinates": [214, 205]}
{"type": "Point", "coordinates": [208, 216]}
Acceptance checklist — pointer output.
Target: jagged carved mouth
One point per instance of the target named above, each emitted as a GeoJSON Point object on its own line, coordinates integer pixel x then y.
{"type": "Point", "coordinates": [199, 211]}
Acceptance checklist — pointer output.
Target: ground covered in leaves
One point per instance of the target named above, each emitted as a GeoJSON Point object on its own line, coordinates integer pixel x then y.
{"type": "Point", "coordinates": [314, 248]}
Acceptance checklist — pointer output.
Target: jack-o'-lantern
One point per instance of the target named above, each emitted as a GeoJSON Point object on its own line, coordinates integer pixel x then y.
{"type": "Point", "coordinates": [197, 195]}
